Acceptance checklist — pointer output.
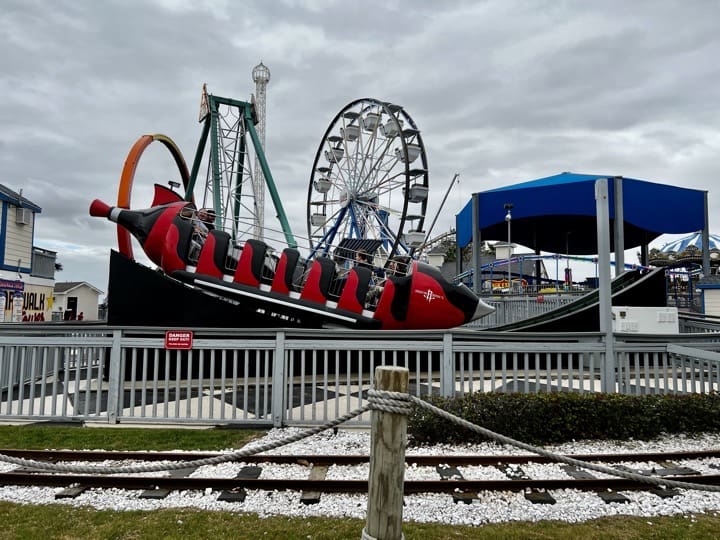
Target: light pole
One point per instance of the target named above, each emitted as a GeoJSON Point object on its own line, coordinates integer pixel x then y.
{"type": "Point", "coordinates": [508, 218]}
{"type": "Point", "coordinates": [568, 272]}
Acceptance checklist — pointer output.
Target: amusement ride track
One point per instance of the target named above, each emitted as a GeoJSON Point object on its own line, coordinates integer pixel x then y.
{"type": "Point", "coordinates": [450, 479]}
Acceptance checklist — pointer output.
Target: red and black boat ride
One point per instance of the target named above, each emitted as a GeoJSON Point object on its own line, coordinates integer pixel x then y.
{"type": "Point", "coordinates": [221, 284]}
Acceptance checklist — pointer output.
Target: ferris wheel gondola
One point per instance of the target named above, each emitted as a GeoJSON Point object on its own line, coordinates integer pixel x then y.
{"type": "Point", "coordinates": [369, 181]}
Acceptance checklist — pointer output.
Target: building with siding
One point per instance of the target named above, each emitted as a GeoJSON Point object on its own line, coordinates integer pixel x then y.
{"type": "Point", "coordinates": [27, 272]}
{"type": "Point", "coordinates": [16, 233]}
{"type": "Point", "coordinates": [73, 298]}
{"type": "Point", "coordinates": [709, 287]}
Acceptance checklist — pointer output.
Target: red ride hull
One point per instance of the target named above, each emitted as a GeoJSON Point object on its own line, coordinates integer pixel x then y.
{"type": "Point", "coordinates": [423, 299]}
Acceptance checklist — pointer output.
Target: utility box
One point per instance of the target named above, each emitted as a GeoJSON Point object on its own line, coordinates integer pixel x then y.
{"type": "Point", "coordinates": [645, 320]}
{"type": "Point", "coordinates": [503, 250]}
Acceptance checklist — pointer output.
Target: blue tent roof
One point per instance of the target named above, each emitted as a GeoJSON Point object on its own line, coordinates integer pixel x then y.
{"type": "Point", "coordinates": [695, 240]}
{"type": "Point", "coordinates": [557, 213]}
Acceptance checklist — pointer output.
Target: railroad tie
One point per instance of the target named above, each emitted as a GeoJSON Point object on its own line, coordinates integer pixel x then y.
{"type": "Point", "coordinates": [238, 494]}
{"type": "Point", "coordinates": [317, 472]}
{"type": "Point", "coordinates": [71, 492]}
{"type": "Point", "coordinates": [608, 495]}
{"type": "Point", "coordinates": [161, 493]}
{"type": "Point", "coordinates": [667, 468]}
{"type": "Point", "coordinates": [450, 473]}
{"type": "Point", "coordinates": [534, 495]}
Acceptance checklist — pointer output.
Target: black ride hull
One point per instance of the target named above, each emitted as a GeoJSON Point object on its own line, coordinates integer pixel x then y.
{"type": "Point", "coordinates": [140, 296]}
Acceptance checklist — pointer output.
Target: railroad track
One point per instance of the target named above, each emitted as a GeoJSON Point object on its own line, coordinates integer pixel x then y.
{"type": "Point", "coordinates": [448, 474]}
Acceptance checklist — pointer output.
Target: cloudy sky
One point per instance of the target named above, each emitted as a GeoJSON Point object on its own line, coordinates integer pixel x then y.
{"type": "Point", "coordinates": [503, 92]}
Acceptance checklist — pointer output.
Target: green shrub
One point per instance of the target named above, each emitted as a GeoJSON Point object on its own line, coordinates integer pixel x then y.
{"type": "Point", "coordinates": [560, 417]}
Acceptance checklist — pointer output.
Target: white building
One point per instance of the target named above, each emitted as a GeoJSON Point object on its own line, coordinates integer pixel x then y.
{"type": "Point", "coordinates": [73, 298]}
{"type": "Point", "coordinates": [27, 273]}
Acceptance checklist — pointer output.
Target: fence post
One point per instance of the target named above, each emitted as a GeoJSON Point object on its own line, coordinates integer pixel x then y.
{"type": "Point", "coordinates": [278, 381]}
{"type": "Point", "coordinates": [447, 367]}
{"type": "Point", "coordinates": [388, 437]}
{"type": "Point", "coordinates": [114, 382]}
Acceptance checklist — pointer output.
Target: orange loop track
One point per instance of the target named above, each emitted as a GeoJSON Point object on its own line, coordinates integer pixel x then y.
{"type": "Point", "coordinates": [128, 175]}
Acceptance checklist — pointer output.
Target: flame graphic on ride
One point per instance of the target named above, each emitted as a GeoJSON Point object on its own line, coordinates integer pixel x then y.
{"type": "Point", "coordinates": [429, 295]}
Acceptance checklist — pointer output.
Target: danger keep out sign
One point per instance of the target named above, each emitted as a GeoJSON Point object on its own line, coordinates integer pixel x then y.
{"type": "Point", "coordinates": [178, 339]}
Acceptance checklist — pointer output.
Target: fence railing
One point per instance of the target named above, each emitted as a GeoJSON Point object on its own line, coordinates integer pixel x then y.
{"type": "Point", "coordinates": [284, 377]}
{"type": "Point", "coordinates": [695, 323]}
{"type": "Point", "coordinates": [510, 309]}
{"type": "Point", "coordinates": [517, 307]}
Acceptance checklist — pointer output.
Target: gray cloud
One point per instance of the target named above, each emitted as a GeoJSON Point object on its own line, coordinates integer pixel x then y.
{"type": "Point", "coordinates": [502, 91]}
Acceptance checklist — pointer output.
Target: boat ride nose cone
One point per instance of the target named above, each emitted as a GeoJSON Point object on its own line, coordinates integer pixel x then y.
{"type": "Point", "coordinates": [99, 209]}
{"type": "Point", "coordinates": [482, 310]}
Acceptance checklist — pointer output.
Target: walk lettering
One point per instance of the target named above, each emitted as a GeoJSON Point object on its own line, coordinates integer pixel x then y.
{"type": "Point", "coordinates": [34, 301]}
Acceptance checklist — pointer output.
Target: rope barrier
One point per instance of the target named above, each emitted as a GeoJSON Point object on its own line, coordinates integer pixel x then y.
{"type": "Point", "coordinates": [249, 450]}
{"type": "Point", "coordinates": [391, 402]}
{"type": "Point", "coordinates": [560, 458]}
{"type": "Point", "coordinates": [384, 401]}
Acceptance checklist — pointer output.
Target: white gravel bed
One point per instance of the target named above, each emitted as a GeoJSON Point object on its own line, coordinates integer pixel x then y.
{"type": "Point", "coordinates": [570, 506]}
{"type": "Point", "coordinates": [361, 471]}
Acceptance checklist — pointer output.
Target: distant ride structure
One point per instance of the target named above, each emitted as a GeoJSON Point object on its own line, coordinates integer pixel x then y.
{"type": "Point", "coordinates": [226, 151]}
{"type": "Point", "coordinates": [261, 77]}
{"type": "Point", "coordinates": [693, 240]}
{"type": "Point", "coordinates": [229, 147]}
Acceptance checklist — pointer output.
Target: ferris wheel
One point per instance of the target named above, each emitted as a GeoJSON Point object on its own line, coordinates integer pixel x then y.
{"type": "Point", "coordinates": [369, 181]}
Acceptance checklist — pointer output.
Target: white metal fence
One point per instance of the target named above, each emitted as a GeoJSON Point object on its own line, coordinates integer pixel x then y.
{"type": "Point", "coordinates": [510, 309]}
{"type": "Point", "coordinates": [286, 377]}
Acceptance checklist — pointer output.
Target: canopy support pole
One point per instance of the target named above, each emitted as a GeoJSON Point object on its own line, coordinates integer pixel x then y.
{"type": "Point", "coordinates": [706, 239]}
{"type": "Point", "coordinates": [476, 241]}
{"type": "Point", "coordinates": [644, 257]}
{"type": "Point", "coordinates": [607, 384]}
{"type": "Point", "coordinates": [619, 229]}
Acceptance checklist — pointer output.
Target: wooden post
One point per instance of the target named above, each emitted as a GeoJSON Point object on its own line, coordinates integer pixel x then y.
{"type": "Point", "coordinates": [387, 461]}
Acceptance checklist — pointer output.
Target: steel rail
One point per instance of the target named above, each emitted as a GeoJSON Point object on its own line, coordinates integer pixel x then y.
{"type": "Point", "coordinates": [330, 486]}
{"type": "Point", "coordinates": [316, 459]}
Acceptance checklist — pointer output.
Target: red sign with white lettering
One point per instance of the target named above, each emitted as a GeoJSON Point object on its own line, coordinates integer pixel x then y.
{"type": "Point", "coordinates": [178, 339]}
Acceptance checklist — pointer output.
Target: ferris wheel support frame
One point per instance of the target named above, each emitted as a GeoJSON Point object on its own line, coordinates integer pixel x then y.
{"type": "Point", "coordinates": [329, 236]}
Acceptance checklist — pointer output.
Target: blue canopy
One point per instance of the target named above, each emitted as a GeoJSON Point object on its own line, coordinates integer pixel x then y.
{"type": "Point", "coordinates": [557, 214]}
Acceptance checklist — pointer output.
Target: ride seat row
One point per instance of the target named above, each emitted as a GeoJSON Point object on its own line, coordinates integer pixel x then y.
{"type": "Point", "coordinates": [352, 289]}
{"type": "Point", "coordinates": [251, 267]}
{"type": "Point", "coordinates": [253, 271]}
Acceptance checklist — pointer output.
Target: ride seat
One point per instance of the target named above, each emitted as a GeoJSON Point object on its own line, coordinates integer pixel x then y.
{"type": "Point", "coordinates": [317, 285]}
{"type": "Point", "coordinates": [268, 270]}
{"type": "Point", "coordinates": [176, 246]}
{"type": "Point", "coordinates": [352, 296]}
{"type": "Point", "coordinates": [249, 269]}
{"type": "Point", "coordinates": [285, 271]}
{"type": "Point", "coordinates": [213, 254]}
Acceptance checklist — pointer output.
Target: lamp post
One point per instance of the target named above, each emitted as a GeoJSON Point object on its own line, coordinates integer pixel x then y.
{"type": "Point", "coordinates": [508, 218]}
{"type": "Point", "coordinates": [568, 272]}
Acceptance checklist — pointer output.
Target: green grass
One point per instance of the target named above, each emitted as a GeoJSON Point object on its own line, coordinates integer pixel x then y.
{"type": "Point", "coordinates": [66, 522]}
{"type": "Point", "coordinates": [91, 438]}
